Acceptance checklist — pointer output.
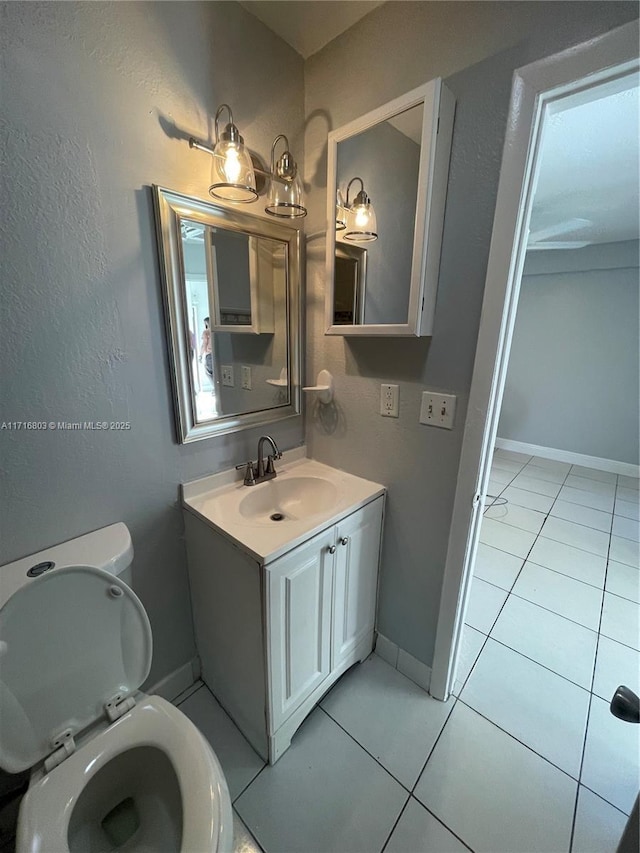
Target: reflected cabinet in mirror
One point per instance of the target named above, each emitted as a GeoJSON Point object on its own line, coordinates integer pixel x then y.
{"type": "Point", "coordinates": [232, 303]}
{"type": "Point", "coordinates": [387, 183]}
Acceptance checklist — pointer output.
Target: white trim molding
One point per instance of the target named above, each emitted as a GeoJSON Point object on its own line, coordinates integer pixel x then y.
{"type": "Point", "coordinates": [597, 462]}
{"type": "Point", "coordinates": [172, 685]}
{"type": "Point", "coordinates": [405, 663]}
{"type": "Point", "coordinates": [536, 91]}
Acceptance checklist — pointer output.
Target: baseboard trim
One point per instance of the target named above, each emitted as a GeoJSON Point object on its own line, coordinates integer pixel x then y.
{"type": "Point", "coordinates": [172, 685]}
{"type": "Point", "coordinates": [597, 462]}
{"type": "Point", "coordinates": [405, 663]}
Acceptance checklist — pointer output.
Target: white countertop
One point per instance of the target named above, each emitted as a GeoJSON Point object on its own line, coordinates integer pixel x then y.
{"type": "Point", "coordinates": [216, 500]}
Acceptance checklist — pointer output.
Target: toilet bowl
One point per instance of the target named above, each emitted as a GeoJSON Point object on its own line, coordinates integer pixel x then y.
{"type": "Point", "coordinates": [112, 768]}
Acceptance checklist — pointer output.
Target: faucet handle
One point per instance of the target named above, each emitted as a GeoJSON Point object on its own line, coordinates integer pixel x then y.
{"type": "Point", "coordinates": [249, 475]}
{"type": "Point", "coordinates": [270, 466]}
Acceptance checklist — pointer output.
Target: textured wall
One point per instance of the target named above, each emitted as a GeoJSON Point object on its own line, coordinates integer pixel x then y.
{"type": "Point", "coordinates": [476, 47]}
{"type": "Point", "coordinates": [98, 100]}
{"type": "Point", "coordinates": [573, 373]}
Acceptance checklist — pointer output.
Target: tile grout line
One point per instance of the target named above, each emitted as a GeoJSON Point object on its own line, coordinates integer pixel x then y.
{"type": "Point", "coordinates": [397, 821]}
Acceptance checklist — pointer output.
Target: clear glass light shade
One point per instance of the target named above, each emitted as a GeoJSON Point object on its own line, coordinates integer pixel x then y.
{"type": "Point", "coordinates": [285, 198]}
{"type": "Point", "coordinates": [233, 178]}
{"type": "Point", "coordinates": [361, 223]}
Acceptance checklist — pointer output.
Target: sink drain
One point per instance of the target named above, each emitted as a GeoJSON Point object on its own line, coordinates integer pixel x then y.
{"type": "Point", "coordinates": [277, 516]}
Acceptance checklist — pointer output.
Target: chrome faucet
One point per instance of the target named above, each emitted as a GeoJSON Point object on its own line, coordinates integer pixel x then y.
{"type": "Point", "coordinates": [252, 476]}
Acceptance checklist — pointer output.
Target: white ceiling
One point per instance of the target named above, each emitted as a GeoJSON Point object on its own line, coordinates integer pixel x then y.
{"type": "Point", "coordinates": [590, 167]}
{"type": "Point", "coordinates": [307, 25]}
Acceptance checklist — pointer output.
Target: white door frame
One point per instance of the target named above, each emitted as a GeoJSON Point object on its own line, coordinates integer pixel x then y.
{"type": "Point", "coordinates": [535, 89]}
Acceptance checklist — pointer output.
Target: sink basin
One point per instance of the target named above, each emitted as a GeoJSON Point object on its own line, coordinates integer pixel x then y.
{"type": "Point", "coordinates": [290, 499]}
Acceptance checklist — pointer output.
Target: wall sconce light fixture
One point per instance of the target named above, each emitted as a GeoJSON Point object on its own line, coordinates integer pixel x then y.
{"type": "Point", "coordinates": [234, 173]}
{"type": "Point", "coordinates": [361, 218]}
{"type": "Point", "coordinates": [285, 188]}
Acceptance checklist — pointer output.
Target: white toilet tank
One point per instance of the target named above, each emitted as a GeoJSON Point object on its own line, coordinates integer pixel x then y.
{"type": "Point", "coordinates": [109, 548]}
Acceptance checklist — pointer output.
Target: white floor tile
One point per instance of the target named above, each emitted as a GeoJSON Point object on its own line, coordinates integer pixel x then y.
{"type": "Point", "coordinates": [542, 710]}
{"type": "Point", "coordinates": [623, 580]}
{"type": "Point", "coordinates": [496, 567]}
{"type": "Point", "coordinates": [517, 516]}
{"type": "Point", "coordinates": [483, 606]}
{"type": "Point", "coordinates": [587, 485]}
{"type": "Point", "coordinates": [530, 500]}
{"type": "Point", "coordinates": [553, 464]}
{"type": "Point", "coordinates": [494, 489]}
{"type": "Point", "coordinates": [627, 509]}
{"type": "Point", "coordinates": [594, 474]}
{"type": "Point", "coordinates": [511, 454]}
{"type": "Point", "coordinates": [626, 494]}
{"type": "Point", "coordinates": [629, 482]}
{"type": "Point", "coordinates": [472, 642]}
{"type": "Point", "coordinates": [624, 551]}
{"type": "Point", "coordinates": [551, 475]}
{"type": "Point", "coordinates": [577, 535]}
{"type": "Point", "coordinates": [594, 518]}
{"type": "Point", "coordinates": [615, 665]}
{"type": "Point", "coordinates": [325, 795]}
{"type": "Point", "coordinates": [493, 792]}
{"type": "Point", "coordinates": [548, 639]}
{"type": "Point", "coordinates": [599, 826]}
{"type": "Point", "coordinates": [570, 598]}
{"type": "Point", "coordinates": [239, 761]}
{"type": "Point", "coordinates": [506, 538]}
{"type": "Point", "coordinates": [626, 528]}
{"type": "Point", "coordinates": [387, 714]}
{"type": "Point", "coordinates": [579, 496]}
{"type": "Point", "coordinates": [418, 831]}
{"type": "Point", "coordinates": [243, 840]}
{"type": "Point", "coordinates": [611, 754]}
{"type": "Point", "coordinates": [507, 465]}
{"type": "Point", "coordinates": [620, 621]}
{"type": "Point", "coordinates": [533, 484]}
{"type": "Point", "coordinates": [581, 565]}
{"type": "Point", "coordinates": [499, 475]}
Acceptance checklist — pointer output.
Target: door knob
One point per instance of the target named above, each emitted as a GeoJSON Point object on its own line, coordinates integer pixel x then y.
{"type": "Point", "coordinates": [344, 540]}
{"type": "Point", "coordinates": [331, 549]}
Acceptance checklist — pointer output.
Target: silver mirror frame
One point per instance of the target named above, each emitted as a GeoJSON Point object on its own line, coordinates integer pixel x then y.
{"type": "Point", "coordinates": [438, 104]}
{"type": "Point", "coordinates": [170, 207]}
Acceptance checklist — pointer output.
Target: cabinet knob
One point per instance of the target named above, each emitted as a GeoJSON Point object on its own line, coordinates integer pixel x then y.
{"type": "Point", "coordinates": [331, 549]}
{"type": "Point", "coordinates": [344, 540]}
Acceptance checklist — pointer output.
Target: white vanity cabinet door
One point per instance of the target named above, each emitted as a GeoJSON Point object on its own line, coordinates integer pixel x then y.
{"type": "Point", "coordinates": [355, 579]}
{"type": "Point", "coordinates": [299, 624]}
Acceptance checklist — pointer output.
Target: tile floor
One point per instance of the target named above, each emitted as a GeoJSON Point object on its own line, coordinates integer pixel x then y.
{"type": "Point", "coordinates": [525, 757]}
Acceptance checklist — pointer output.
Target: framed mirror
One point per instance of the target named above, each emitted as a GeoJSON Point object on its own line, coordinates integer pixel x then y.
{"type": "Point", "coordinates": [231, 287]}
{"type": "Point", "coordinates": [386, 190]}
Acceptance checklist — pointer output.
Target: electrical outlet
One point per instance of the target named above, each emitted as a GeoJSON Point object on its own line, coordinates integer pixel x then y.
{"type": "Point", "coordinates": [227, 375]}
{"type": "Point", "coordinates": [389, 401]}
{"type": "Point", "coordinates": [246, 377]}
{"type": "Point", "coordinates": [438, 409]}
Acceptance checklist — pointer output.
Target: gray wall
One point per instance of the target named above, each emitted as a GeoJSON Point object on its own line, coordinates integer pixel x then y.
{"type": "Point", "coordinates": [98, 102]}
{"type": "Point", "coordinates": [573, 375]}
{"type": "Point", "coordinates": [388, 163]}
{"type": "Point", "coordinates": [475, 47]}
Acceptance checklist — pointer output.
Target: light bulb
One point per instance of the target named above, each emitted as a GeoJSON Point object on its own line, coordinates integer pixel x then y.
{"type": "Point", "coordinates": [232, 166]}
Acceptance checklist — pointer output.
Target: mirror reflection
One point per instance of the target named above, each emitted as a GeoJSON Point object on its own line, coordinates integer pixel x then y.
{"type": "Point", "coordinates": [235, 294]}
{"type": "Point", "coordinates": [377, 182]}
{"type": "Point", "coordinates": [232, 285]}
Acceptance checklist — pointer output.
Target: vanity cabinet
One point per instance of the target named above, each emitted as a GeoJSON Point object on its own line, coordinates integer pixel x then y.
{"type": "Point", "coordinates": [273, 637]}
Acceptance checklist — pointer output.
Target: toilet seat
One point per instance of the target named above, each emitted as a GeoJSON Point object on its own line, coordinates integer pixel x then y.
{"type": "Point", "coordinates": [49, 804]}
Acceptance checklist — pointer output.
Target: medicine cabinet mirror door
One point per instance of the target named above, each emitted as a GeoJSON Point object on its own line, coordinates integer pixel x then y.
{"type": "Point", "coordinates": [231, 286]}
{"type": "Point", "coordinates": [382, 280]}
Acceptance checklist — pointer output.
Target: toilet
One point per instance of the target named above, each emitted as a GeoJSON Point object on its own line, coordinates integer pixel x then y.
{"type": "Point", "coordinates": [111, 768]}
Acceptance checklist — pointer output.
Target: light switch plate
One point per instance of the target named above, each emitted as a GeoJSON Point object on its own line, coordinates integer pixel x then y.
{"type": "Point", "coordinates": [438, 409]}
{"type": "Point", "coordinates": [227, 375]}
{"type": "Point", "coordinates": [246, 377]}
{"type": "Point", "coordinates": [389, 401]}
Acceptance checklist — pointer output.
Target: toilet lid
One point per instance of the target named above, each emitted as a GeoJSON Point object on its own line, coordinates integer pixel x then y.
{"type": "Point", "coordinates": [70, 640]}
